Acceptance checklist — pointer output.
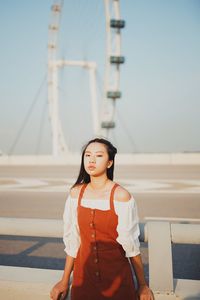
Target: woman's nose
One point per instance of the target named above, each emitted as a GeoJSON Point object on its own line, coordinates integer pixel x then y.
{"type": "Point", "coordinates": [92, 158]}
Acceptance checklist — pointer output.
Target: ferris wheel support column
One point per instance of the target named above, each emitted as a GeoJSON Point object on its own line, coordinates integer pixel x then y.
{"type": "Point", "coordinates": [113, 60]}
{"type": "Point", "coordinates": [58, 141]}
{"type": "Point", "coordinates": [59, 145]}
{"type": "Point", "coordinates": [55, 132]}
{"type": "Point", "coordinates": [94, 104]}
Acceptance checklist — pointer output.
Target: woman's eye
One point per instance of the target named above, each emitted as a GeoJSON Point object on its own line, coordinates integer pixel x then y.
{"type": "Point", "coordinates": [87, 155]}
{"type": "Point", "coordinates": [99, 155]}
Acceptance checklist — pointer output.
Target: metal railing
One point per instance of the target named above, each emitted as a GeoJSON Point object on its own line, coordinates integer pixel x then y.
{"type": "Point", "coordinates": [159, 235]}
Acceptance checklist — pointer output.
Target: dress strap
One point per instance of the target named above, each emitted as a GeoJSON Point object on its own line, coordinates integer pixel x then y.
{"type": "Point", "coordinates": [112, 196]}
{"type": "Point", "coordinates": [81, 193]}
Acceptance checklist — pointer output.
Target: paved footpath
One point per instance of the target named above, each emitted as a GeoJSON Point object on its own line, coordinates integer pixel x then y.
{"type": "Point", "coordinates": [40, 192]}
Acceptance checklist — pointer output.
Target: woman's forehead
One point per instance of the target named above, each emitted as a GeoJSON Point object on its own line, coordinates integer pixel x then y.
{"type": "Point", "coordinates": [96, 147]}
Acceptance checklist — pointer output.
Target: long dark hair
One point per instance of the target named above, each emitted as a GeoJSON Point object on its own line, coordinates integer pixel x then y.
{"type": "Point", "coordinates": [83, 176]}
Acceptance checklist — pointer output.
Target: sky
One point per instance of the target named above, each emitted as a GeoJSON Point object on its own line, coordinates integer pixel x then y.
{"type": "Point", "coordinates": [160, 81]}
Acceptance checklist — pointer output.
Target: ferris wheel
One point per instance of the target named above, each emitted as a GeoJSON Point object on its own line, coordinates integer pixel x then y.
{"type": "Point", "coordinates": [103, 121]}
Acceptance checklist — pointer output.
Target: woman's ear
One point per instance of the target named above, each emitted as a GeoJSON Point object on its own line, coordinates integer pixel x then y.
{"type": "Point", "coordinates": [110, 164]}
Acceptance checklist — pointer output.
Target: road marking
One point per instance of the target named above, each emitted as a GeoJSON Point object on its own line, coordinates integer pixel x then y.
{"type": "Point", "coordinates": [133, 185]}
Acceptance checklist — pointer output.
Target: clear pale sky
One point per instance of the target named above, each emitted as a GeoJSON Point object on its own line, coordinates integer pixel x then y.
{"type": "Point", "coordinates": [160, 81]}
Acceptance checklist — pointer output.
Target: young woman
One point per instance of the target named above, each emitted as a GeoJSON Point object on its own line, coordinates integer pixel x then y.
{"type": "Point", "coordinates": [101, 233]}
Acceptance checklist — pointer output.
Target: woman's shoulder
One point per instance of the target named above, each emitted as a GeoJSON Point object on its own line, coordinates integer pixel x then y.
{"type": "Point", "coordinates": [75, 190]}
{"type": "Point", "coordinates": [121, 194]}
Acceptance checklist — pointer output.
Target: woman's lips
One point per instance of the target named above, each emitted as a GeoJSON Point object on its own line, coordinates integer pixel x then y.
{"type": "Point", "coordinates": [91, 167]}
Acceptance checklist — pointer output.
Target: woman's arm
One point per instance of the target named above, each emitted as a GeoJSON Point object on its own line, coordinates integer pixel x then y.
{"type": "Point", "coordinates": [60, 289]}
{"type": "Point", "coordinates": [128, 232]}
{"type": "Point", "coordinates": [69, 263]}
{"type": "Point", "coordinates": [71, 240]}
{"type": "Point", "coordinates": [137, 265]}
{"type": "Point", "coordinates": [144, 291]}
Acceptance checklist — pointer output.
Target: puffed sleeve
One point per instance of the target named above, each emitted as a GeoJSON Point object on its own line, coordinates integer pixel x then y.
{"type": "Point", "coordinates": [128, 227]}
{"type": "Point", "coordinates": [71, 237]}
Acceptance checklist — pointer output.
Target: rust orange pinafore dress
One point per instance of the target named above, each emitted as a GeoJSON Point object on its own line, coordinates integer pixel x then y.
{"type": "Point", "coordinates": [101, 270]}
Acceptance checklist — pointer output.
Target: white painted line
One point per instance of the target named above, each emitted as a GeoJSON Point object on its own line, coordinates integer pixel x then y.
{"type": "Point", "coordinates": [62, 185]}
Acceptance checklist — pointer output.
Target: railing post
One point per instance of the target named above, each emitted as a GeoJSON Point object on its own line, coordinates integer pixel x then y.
{"type": "Point", "coordinates": [160, 257]}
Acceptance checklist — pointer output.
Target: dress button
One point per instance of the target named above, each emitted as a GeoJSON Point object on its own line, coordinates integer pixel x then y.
{"type": "Point", "coordinates": [95, 260]}
{"type": "Point", "coordinates": [92, 211]}
{"type": "Point", "coordinates": [91, 225]}
{"type": "Point", "coordinates": [93, 235]}
{"type": "Point", "coordinates": [97, 273]}
{"type": "Point", "coordinates": [95, 248]}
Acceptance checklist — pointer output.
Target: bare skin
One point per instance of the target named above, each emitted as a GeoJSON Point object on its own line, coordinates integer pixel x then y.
{"type": "Point", "coordinates": [96, 162]}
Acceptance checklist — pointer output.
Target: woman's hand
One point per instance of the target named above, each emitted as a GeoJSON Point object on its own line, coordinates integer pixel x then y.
{"type": "Point", "coordinates": [59, 291]}
{"type": "Point", "coordinates": [145, 293]}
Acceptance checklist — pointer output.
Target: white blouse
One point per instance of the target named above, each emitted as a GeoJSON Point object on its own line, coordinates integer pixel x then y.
{"type": "Point", "coordinates": [127, 228]}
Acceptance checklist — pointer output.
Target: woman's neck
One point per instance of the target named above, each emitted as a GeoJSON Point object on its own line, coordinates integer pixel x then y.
{"type": "Point", "coordinates": [98, 183]}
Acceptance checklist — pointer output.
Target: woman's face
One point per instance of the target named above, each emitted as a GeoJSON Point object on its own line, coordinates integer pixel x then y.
{"type": "Point", "coordinates": [96, 159]}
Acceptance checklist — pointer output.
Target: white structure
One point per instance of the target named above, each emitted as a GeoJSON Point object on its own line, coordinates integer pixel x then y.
{"type": "Point", "coordinates": [58, 141]}
{"type": "Point", "coordinates": [111, 82]}
{"type": "Point", "coordinates": [113, 60]}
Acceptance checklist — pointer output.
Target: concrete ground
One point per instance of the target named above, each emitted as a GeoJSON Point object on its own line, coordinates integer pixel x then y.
{"type": "Point", "coordinates": [40, 192]}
